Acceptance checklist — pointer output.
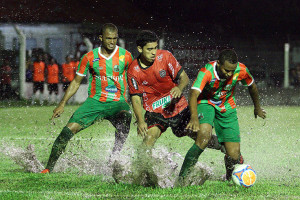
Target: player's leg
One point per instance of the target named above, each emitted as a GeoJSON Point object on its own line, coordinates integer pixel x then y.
{"type": "Point", "coordinates": [82, 118]}
{"type": "Point", "coordinates": [233, 156]}
{"type": "Point", "coordinates": [227, 129]}
{"type": "Point", "coordinates": [121, 122]}
{"type": "Point", "coordinates": [206, 115]}
{"type": "Point", "coordinates": [61, 142]}
{"type": "Point", "coordinates": [41, 88]}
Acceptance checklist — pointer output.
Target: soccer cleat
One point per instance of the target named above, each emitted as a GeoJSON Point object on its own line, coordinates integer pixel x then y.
{"type": "Point", "coordinates": [229, 165]}
{"type": "Point", "coordinates": [45, 171]}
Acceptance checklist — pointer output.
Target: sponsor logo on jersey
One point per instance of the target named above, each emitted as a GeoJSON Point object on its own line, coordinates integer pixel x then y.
{"type": "Point", "coordinates": [228, 87]}
{"type": "Point", "coordinates": [134, 83]}
{"type": "Point", "coordinates": [172, 69]}
{"type": "Point", "coordinates": [235, 77]}
{"type": "Point", "coordinates": [100, 68]}
{"type": "Point", "coordinates": [122, 58]}
{"type": "Point", "coordinates": [215, 102]}
{"type": "Point", "coordinates": [145, 82]}
{"type": "Point", "coordinates": [111, 88]}
{"type": "Point", "coordinates": [162, 73]}
{"type": "Point", "coordinates": [114, 78]}
{"type": "Point", "coordinates": [159, 57]}
{"type": "Point", "coordinates": [96, 59]}
{"type": "Point", "coordinates": [163, 102]}
{"type": "Point", "coordinates": [116, 68]}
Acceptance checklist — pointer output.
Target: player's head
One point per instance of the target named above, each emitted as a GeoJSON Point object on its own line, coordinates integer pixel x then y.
{"type": "Point", "coordinates": [147, 45]}
{"type": "Point", "coordinates": [227, 63]}
{"type": "Point", "coordinates": [109, 36]}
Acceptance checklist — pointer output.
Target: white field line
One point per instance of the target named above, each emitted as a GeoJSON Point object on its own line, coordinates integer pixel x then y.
{"type": "Point", "coordinates": [87, 195]}
{"type": "Point", "coordinates": [31, 138]}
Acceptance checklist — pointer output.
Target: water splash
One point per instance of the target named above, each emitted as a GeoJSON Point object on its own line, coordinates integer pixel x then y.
{"type": "Point", "coordinates": [161, 171]}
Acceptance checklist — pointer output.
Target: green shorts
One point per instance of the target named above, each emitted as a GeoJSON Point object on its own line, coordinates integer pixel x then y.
{"type": "Point", "coordinates": [92, 110]}
{"type": "Point", "coordinates": [226, 124]}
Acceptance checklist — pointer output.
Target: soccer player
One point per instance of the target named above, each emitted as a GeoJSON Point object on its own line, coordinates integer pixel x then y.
{"type": "Point", "coordinates": [53, 80]}
{"type": "Point", "coordinates": [157, 79]}
{"type": "Point", "coordinates": [38, 79]}
{"type": "Point", "coordinates": [107, 87]}
{"type": "Point", "coordinates": [212, 104]}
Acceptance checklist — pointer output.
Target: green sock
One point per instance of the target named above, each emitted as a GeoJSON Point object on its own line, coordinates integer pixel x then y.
{"type": "Point", "coordinates": [190, 160]}
{"type": "Point", "coordinates": [59, 147]}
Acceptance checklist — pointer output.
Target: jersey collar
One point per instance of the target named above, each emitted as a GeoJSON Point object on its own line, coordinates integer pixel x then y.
{"type": "Point", "coordinates": [111, 55]}
{"type": "Point", "coordinates": [215, 71]}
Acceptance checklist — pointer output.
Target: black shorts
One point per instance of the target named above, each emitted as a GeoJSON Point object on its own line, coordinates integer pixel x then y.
{"type": "Point", "coordinates": [65, 85]}
{"type": "Point", "coordinates": [177, 123]}
{"type": "Point", "coordinates": [53, 87]}
{"type": "Point", "coordinates": [38, 86]}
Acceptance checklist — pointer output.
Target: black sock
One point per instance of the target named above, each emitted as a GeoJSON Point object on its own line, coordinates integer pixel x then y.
{"type": "Point", "coordinates": [190, 160]}
{"type": "Point", "coordinates": [229, 165]}
{"type": "Point", "coordinates": [59, 147]}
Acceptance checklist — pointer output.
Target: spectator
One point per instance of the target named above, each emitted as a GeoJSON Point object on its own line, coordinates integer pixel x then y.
{"type": "Point", "coordinates": [38, 79]}
{"type": "Point", "coordinates": [53, 80]}
{"type": "Point", "coordinates": [295, 76]}
{"type": "Point", "coordinates": [5, 80]}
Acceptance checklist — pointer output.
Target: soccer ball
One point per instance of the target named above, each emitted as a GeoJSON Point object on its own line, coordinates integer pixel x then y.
{"type": "Point", "coordinates": [244, 175]}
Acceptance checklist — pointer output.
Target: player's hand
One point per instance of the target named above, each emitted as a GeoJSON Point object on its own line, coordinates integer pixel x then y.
{"type": "Point", "coordinates": [57, 111]}
{"type": "Point", "coordinates": [142, 129]}
{"type": "Point", "coordinates": [193, 125]}
{"type": "Point", "coordinates": [260, 112]}
{"type": "Point", "coordinates": [176, 92]}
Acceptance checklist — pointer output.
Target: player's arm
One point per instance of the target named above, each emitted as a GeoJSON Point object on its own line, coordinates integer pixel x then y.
{"type": "Point", "coordinates": [193, 125]}
{"type": "Point", "coordinates": [138, 111]}
{"type": "Point", "coordinates": [176, 92]}
{"type": "Point", "coordinates": [72, 89]}
{"type": "Point", "coordinates": [258, 111]}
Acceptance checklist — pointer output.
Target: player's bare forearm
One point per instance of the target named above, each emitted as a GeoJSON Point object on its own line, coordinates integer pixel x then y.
{"type": "Point", "coordinates": [176, 92]}
{"type": "Point", "coordinates": [183, 80]}
{"type": "Point", "coordinates": [72, 89]}
{"type": "Point", "coordinates": [253, 91]}
{"type": "Point", "coordinates": [193, 124]}
{"type": "Point", "coordinates": [137, 107]}
{"type": "Point", "coordinates": [258, 111]}
{"type": "Point", "coordinates": [193, 95]}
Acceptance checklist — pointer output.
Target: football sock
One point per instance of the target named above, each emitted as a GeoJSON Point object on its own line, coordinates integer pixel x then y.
{"type": "Point", "coordinates": [229, 165]}
{"type": "Point", "coordinates": [122, 131]}
{"type": "Point", "coordinates": [190, 160]}
{"type": "Point", "coordinates": [59, 147]}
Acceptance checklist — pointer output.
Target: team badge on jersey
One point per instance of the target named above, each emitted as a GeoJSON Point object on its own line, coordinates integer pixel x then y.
{"type": "Point", "coordinates": [162, 73]}
{"type": "Point", "coordinates": [228, 87]}
{"type": "Point", "coordinates": [116, 68]}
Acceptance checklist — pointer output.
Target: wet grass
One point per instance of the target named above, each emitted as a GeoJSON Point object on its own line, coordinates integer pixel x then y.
{"type": "Point", "coordinates": [271, 147]}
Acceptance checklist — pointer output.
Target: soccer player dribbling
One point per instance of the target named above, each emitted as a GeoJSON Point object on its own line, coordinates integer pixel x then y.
{"type": "Point", "coordinates": [156, 82]}
{"type": "Point", "coordinates": [106, 94]}
{"type": "Point", "coordinates": [212, 104]}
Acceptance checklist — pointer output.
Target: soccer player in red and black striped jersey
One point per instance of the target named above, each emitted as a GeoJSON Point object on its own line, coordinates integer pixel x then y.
{"type": "Point", "coordinates": [106, 94]}
{"type": "Point", "coordinates": [212, 104]}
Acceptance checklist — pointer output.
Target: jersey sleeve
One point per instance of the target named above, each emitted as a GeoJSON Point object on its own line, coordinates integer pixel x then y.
{"type": "Point", "coordinates": [83, 66]}
{"type": "Point", "coordinates": [133, 84]}
{"type": "Point", "coordinates": [246, 78]}
{"type": "Point", "coordinates": [128, 59]}
{"type": "Point", "coordinates": [174, 68]}
{"type": "Point", "coordinates": [203, 77]}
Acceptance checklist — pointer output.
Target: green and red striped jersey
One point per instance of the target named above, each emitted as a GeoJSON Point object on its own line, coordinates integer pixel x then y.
{"type": "Point", "coordinates": [218, 92]}
{"type": "Point", "coordinates": [107, 81]}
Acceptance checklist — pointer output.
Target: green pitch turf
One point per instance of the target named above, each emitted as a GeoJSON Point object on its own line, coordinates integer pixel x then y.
{"type": "Point", "coordinates": [270, 146]}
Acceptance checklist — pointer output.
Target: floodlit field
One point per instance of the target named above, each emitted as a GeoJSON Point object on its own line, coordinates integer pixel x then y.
{"type": "Point", "coordinates": [270, 146]}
